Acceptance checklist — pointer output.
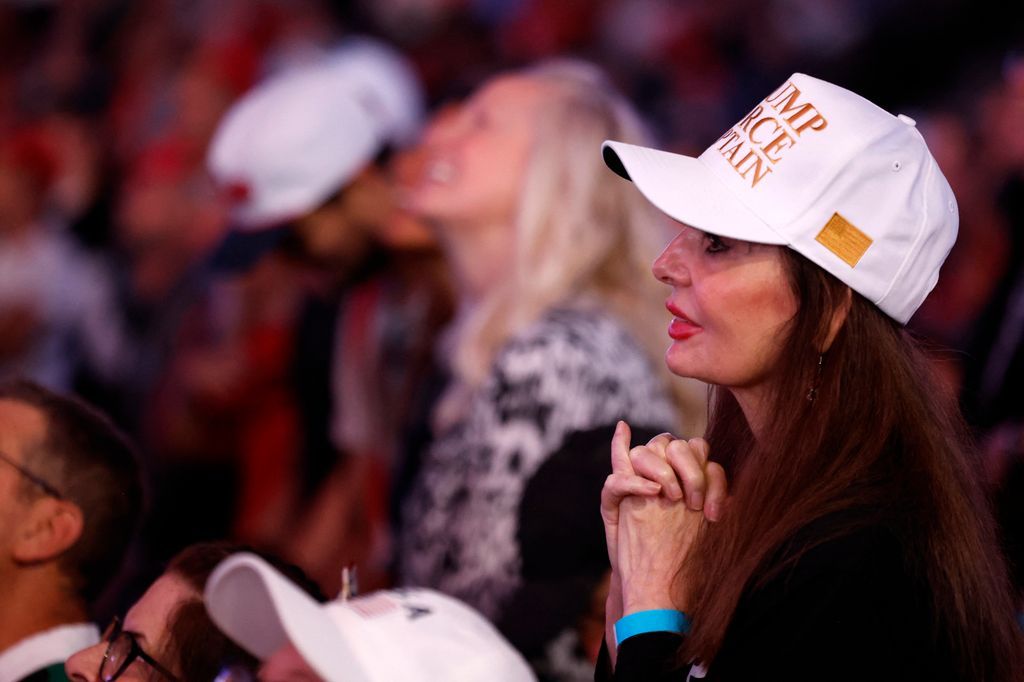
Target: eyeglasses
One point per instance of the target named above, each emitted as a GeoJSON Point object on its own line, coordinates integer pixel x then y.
{"type": "Point", "coordinates": [41, 482]}
{"type": "Point", "coordinates": [122, 650]}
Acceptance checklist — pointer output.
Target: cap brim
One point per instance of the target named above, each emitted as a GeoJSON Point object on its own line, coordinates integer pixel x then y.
{"type": "Point", "coordinates": [686, 190]}
{"type": "Point", "coordinates": [261, 610]}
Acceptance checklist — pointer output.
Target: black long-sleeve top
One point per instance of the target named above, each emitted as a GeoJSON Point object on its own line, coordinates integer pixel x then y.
{"type": "Point", "coordinates": [848, 609]}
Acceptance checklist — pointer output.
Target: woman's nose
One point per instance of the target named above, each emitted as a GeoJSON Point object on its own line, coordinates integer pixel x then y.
{"type": "Point", "coordinates": [85, 665]}
{"type": "Point", "coordinates": [671, 266]}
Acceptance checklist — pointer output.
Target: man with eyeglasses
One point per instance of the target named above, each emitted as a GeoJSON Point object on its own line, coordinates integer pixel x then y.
{"type": "Point", "coordinates": [70, 500]}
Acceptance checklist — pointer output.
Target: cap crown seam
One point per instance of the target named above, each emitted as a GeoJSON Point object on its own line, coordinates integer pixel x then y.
{"type": "Point", "coordinates": [919, 230]}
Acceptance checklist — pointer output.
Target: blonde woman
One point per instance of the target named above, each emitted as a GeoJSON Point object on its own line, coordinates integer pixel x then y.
{"type": "Point", "coordinates": [558, 321]}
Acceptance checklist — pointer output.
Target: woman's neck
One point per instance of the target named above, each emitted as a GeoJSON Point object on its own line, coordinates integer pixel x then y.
{"type": "Point", "coordinates": [753, 401]}
{"type": "Point", "coordinates": [480, 258]}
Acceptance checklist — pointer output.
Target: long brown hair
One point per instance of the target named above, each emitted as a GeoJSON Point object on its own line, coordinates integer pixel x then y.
{"type": "Point", "coordinates": [914, 475]}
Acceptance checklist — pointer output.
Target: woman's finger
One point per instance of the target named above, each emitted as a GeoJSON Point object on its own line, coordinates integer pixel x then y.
{"type": "Point", "coordinates": [654, 467]}
{"type": "Point", "coordinates": [659, 443]}
{"type": "Point", "coordinates": [620, 449]}
{"type": "Point", "coordinates": [717, 493]}
{"type": "Point", "coordinates": [619, 486]}
{"type": "Point", "coordinates": [688, 466]}
{"type": "Point", "coordinates": [700, 448]}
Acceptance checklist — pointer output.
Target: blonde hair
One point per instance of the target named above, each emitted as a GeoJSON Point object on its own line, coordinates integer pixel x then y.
{"type": "Point", "coordinates": [583, 235]}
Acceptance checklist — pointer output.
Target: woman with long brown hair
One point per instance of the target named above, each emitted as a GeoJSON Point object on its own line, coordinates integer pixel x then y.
{"type": "Point", "coordinates": [855, 541]}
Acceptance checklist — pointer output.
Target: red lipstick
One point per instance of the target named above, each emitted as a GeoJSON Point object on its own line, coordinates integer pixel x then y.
{"type": "Point", "coordinates": [681, 327]}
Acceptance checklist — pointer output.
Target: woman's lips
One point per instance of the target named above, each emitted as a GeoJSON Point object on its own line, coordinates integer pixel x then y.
{"type": "Point", "coordinates": [681, 327]}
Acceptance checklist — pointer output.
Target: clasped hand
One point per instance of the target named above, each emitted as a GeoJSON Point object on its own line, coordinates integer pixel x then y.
{"type": "Point", "coordinates": [653, 504]}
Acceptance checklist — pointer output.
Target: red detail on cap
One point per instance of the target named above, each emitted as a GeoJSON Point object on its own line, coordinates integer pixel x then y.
{"type": "Point", "coordinates": [237, 192]}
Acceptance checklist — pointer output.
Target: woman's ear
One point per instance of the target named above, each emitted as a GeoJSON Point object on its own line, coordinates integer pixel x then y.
{"type": "Point", "coordinates": [51, 528]}
{"type": "Point", "coordinates": [839, 315]}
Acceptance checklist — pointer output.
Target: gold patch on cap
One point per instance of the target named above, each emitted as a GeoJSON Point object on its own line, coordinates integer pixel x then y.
{"type": "Point", "coordinates": [844, 240]}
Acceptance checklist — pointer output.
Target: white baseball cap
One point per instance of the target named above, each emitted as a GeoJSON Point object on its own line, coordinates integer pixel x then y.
{"type": "Point", "coordinates": [385, 82]}
{"type": "Point", "coordinates": [410, 635]}
{"type": "Point", "coordinates": [292, 141]}
{"type": "Point", "coordinates": [825, 172]}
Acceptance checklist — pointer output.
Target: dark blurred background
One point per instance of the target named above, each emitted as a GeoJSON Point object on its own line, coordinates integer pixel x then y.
{"type": "Point", "coordinates": [107, 213]}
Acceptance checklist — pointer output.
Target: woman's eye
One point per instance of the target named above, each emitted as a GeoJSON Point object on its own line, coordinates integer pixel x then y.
{"type": "Point", "coordinates": [715, 244]}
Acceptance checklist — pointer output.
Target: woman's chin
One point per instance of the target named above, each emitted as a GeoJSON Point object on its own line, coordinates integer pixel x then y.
{"type": "Point", "coordinates": [681, 362]}
{"type": "Point", "coordinates": [433, 204]}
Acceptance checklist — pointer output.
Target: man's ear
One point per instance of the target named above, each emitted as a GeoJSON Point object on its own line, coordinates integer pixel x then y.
{"type": "Point", "coordinates": [50, 529]}
{"type": "Point", "coordinates": [839, 315]}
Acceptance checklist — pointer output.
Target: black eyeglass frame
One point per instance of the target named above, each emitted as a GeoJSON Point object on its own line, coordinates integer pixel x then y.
{"type": "Point", "coordinates": [135, 650]}
{"type": "Point", "coordinates": [36, 479]}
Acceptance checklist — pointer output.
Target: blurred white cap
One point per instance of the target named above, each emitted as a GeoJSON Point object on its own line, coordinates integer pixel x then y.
{"type": "Point", "coordinates": [414, 635]}
{"type": "Point", "coordinates": [384, 81]}
{"type": "Point", "coordinates": [297, 138]}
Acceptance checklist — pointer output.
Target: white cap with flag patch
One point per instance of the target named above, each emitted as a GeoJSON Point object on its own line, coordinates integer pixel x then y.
{"type": "Point", "coordinates": [413, 635]}
{"type": "Point", "coordinates": [825, 172]}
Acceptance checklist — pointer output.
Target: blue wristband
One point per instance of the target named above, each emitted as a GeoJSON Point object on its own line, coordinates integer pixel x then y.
{"type": "Point", "coordinates": [655, 620]}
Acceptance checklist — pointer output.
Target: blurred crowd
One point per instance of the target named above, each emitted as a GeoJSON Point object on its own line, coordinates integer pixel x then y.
{"type": "Point", "coordinates": [283, 383]}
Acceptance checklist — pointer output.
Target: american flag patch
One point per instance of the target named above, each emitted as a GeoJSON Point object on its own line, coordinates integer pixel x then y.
{"type": "Point", "coordinates": [374, 605]}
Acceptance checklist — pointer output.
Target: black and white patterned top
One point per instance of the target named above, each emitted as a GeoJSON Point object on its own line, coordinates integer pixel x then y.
{"type": "Point", "coordinates": [572, 370]}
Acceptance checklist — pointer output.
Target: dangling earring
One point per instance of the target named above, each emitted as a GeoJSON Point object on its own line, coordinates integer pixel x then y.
{"type": "Point", "coordinates": [813, 392]}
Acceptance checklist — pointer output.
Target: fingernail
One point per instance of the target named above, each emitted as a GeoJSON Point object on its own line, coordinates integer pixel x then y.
{"type": "Point", "coordinates": [711, 511]}
{"type": "Point", "coordinates": [698, 502]}
{"type": "Point", "coordinates": [675, 492]}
